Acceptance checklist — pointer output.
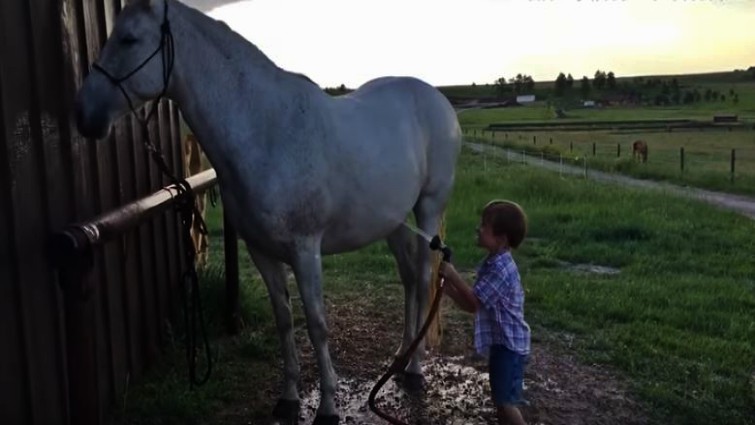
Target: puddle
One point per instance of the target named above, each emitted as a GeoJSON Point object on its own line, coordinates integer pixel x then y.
{"type": "Point", "coordinates": [593, 268]}
{"type": "Point", "coordinates": [455, 394]}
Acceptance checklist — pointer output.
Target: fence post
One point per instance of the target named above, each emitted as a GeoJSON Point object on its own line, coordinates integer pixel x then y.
{"type": "Point", "coordinates": [733, 160]}
{"type": "Point", "coordinates": [75, 261]}
{"type": "Point", "coordinates": [618, 150]}
{"type": "Point", "coordinates": [534, 140]}
{"type": "Point", "coordinates": [232, 306]}
{"type": "Point", "coordinates": [551, 140]}
{"type": "Point", "coordinates": [681, 158]}
{"type": "Point", "coordinates": [571, 146]}
{"type": "Point", "coordinates": [524, 158]}
{"type": "Point", "coordinates": [561, 165]}
{"type": "Point", "coordinates": [593, 148]}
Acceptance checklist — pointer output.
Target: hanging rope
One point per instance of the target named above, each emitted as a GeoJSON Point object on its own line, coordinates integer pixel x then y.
{"type": "Point", "coordinates": [186, 206]}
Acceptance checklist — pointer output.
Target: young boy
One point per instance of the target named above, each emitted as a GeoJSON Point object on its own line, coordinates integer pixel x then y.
{"type": "Point", "coordinates": [497, 300]}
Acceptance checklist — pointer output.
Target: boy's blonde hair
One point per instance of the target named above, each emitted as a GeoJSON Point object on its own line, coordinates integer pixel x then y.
{"type": "Point", "coordinates": [506, 218]}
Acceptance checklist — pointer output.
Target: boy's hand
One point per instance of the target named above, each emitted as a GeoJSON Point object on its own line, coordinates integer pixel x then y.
{"type": "Point", "coordinates": [447, 270]}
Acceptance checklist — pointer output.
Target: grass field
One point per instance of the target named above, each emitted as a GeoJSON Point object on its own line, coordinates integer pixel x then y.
{"type": "Point", "coordinates": [705, 161]}
{"type": "Point", "coordinates": [677, 321]}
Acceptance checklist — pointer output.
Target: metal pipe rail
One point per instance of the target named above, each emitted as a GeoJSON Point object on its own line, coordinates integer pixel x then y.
{"type": "Point", "coordinates": [78, 239]}
{"type": "Point", "coordinates": [73, 253]}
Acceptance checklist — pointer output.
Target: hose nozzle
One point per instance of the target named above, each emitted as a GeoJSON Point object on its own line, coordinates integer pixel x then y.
{"type": "Point", "coordinates": [437, 245]}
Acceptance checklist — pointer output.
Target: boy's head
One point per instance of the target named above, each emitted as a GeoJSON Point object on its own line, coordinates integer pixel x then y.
{"type": "Point", "coordinates": [503, 224]}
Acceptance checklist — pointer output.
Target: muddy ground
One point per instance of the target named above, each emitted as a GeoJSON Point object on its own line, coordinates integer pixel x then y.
{"type": "Point", "coordinates": [559, 389]}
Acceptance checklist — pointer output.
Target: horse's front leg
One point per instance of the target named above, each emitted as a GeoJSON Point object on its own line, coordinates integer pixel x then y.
{"type": "Point", "coordinates": [274, 275]}
{"type": "Point", "coordinates": [308, 271]}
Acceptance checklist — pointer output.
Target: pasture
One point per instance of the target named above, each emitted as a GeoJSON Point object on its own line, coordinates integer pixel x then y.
{"type": "Point", "coordinates": [705, 162]}
{"type": "Point", "coordinates": [674, 326]}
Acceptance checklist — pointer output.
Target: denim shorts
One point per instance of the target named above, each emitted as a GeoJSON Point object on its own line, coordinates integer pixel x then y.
{"type": "Point", "coordinates": [506, 370]}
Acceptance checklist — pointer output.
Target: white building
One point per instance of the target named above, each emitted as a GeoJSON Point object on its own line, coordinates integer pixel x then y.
{"type": "Point", "coordinates": [525, 99]}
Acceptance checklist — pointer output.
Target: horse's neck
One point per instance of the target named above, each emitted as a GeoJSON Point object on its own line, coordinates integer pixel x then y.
{"type": "Point", "coordinates": [229, 91]}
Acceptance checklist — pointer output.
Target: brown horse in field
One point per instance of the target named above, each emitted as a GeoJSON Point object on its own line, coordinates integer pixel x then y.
{"type": "Point", "coordinates": [640, 150]}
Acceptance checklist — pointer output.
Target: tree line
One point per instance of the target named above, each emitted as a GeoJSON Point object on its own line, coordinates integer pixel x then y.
{"type": "Point", "coordinates": [604, 86]}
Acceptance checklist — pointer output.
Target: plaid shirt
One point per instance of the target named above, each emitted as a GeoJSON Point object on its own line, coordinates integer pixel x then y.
{"type": "Point", "coordinates": [500, 320]}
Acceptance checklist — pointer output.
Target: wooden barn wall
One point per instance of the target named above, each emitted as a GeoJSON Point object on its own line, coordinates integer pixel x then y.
{"type": "Point", "coordinates": [50, 176]}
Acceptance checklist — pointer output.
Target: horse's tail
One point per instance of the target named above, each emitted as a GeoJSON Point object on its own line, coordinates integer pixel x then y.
{"type": "Point", "coordinates": [435, 332]}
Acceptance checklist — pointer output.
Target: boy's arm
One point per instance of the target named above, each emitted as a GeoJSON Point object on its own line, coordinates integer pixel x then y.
{"type": "Point", "coordinates": [458, 290]}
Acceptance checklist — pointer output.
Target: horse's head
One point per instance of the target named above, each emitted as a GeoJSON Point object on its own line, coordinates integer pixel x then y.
{"type": "Point", "coordinates": [130, 67]}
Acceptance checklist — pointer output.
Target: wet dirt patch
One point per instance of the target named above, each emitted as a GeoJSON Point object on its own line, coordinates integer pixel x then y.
{"type": "Point", "coordinates": [559, 387]}
{"type": "Point", "coordinates": [454, 393]}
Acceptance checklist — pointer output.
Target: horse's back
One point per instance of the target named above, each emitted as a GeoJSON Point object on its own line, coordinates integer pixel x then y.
{"type": "Point", "coordinates": [398, 140]}
{"type": "Point", "coordinates": [413, 106]}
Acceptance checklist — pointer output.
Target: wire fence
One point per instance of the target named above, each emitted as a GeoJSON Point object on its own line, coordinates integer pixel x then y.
{"type": "Point", "coordinates": [722, 161]}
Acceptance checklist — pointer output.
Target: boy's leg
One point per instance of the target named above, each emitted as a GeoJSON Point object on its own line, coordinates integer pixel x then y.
{"type": "Point", "coordinates": [509, 414]}
{"type": "Point", "coordinates": [506, 370]}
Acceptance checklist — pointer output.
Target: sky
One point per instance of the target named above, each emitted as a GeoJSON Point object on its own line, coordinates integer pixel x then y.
{"type": "Point", "coordinates": [457, 42]}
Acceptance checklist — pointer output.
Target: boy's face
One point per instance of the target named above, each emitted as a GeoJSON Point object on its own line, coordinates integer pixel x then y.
{"type": "Point", "coordinates": [486, 239]}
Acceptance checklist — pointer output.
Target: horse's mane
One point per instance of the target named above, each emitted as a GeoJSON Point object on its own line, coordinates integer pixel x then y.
{"type": "Point", "coordinates": [228, 41]}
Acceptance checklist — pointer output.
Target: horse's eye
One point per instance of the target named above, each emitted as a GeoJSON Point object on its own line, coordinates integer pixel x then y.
{"type": "Point", "coordinates": [128, 40]}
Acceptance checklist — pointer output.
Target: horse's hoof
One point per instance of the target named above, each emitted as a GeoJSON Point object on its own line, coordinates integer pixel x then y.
{"type": "Point", "coordinates": [413, 382]}
{"type": "Point", "coordinates": [287, 411]}
{"type": "Point", "coordinates": [326, 420]}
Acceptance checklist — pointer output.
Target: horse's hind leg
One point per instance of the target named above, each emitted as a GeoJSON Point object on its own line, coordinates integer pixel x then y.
{"type": "Point", "coordinates": [403, 244]}
{"type": "Point", "coordinates": [274, 275]}
{"type": "Point", "coordinates": [428, 213]}
{"type": "Point", "coordinates": [413, 259]}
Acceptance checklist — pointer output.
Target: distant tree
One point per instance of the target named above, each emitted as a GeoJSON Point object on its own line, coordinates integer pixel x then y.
{"type": "Point", "coordinates": [529, 83]}
{"type": "Point", "coordinates": [735, 99]}
{"type": "Point", "coordinates": [501, 87]}
{"type": "Point", "coordinates": [676, 98]}
{"type": "Point", "coordinates": [474, 84]}
{"type": "Point", "coordinates": [560, 85]}
{"type": "Point", "coordinates": [611, 81]}
{"type": "Point", "coordinates": [696, 95]}
{"type": "Point", "coordinates": [336, 91]}
{"type": "Point", "coordinates": [518, 83]}
{"type": "Point", "coordinates": [569, 82]}
{"type": "Point", "coordinates": [599, 82]}
{"type": "Point", "coordinates": [689, 97]}
{"type": "Point", "coordinates": [708, 94]}
{"type": "Point", "coordinates": [585, 87]}
{"type": "Point", "coordinates": [723, 98]}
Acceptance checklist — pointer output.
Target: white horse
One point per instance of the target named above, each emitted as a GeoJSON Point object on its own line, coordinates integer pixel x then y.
{"type": "Point", "coordinates": [302, 174]}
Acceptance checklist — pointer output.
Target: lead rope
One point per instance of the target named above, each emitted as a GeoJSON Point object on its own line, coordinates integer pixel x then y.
{"type": "Point", "coordinates": [185, 203]}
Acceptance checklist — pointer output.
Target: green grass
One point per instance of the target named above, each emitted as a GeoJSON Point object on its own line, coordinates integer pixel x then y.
{"type": "Point", "coordinates": [707, 154]}
{"type": "Point", "coordinates": [677, 321]}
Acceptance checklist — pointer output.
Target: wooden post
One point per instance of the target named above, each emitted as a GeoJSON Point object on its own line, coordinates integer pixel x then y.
{"type": "Point", "coordinates": [75, 261]}
{"type": "Point", "coordinates": [534, 140]}
{"type": "Point", "coordinates": [571, 146]}
{"type": "Point", "coordinates": [593, 148]}
{"type": "Point", "coordinates": [618, 150]}
{"type": "Point", "coordinates": [681, 158]}
{"type": "Point", "coordinates": [551, 140]}
{"type": "Point", "coordinates": [733, 160]}
{"type": "Point", "coordinates": [232, 306]}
